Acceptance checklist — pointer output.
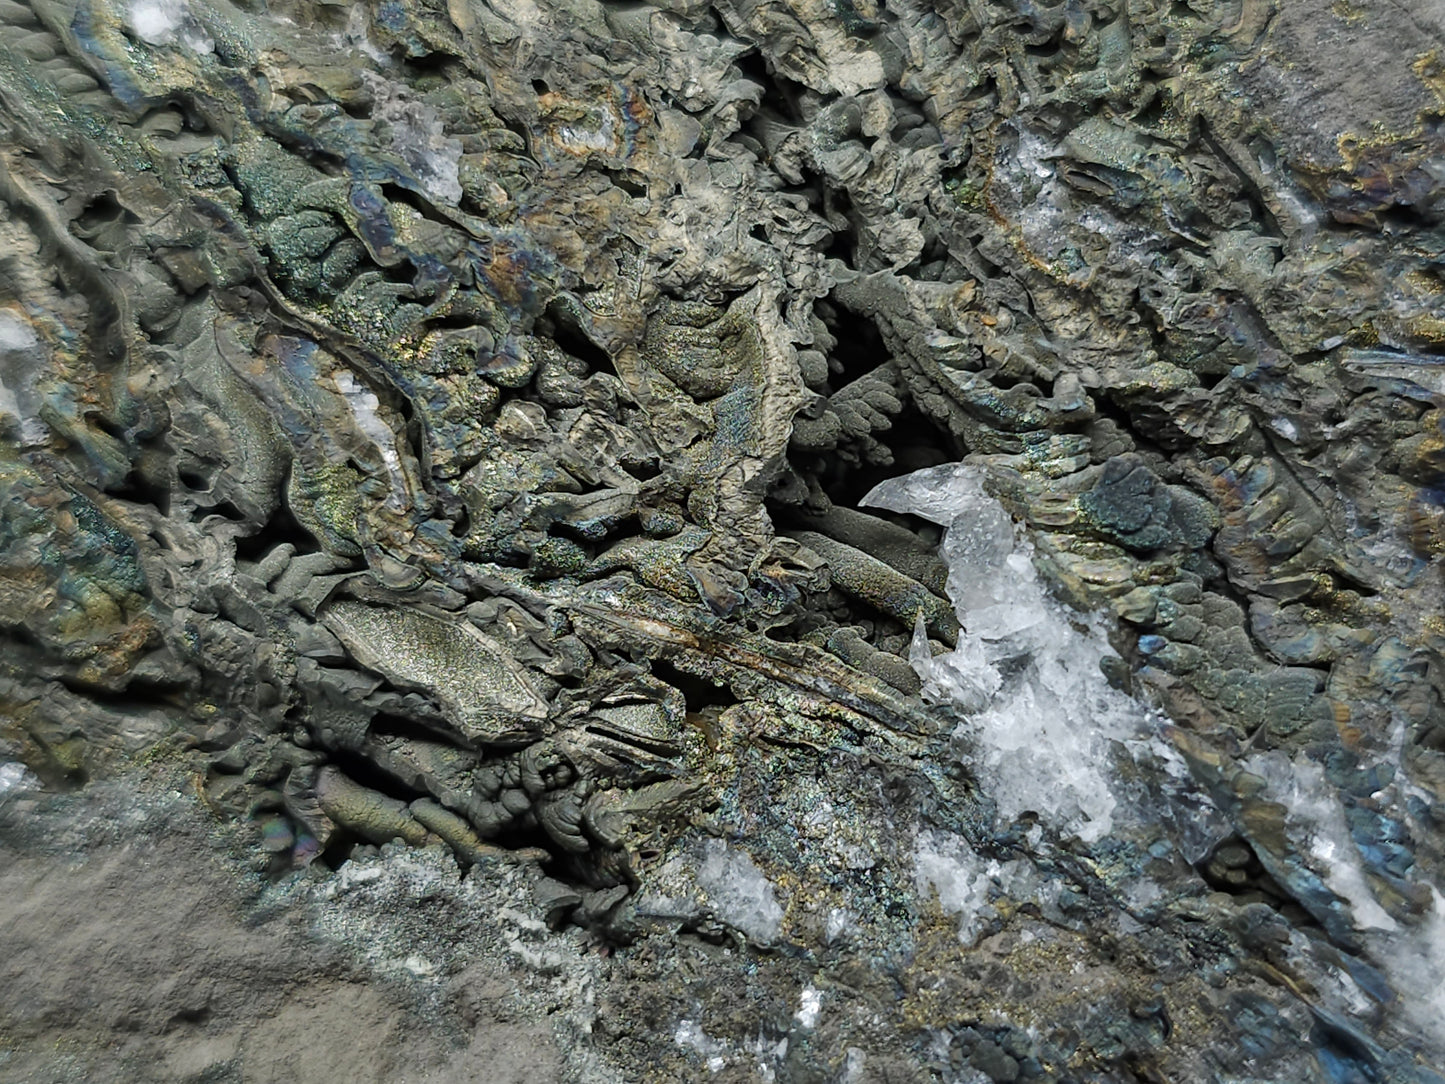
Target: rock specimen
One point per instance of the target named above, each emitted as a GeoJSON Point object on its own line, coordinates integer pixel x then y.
{"type": "Point", "coordinates": [453, 423]}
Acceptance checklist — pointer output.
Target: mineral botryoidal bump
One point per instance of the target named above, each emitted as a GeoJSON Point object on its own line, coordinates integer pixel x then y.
{"type": "Point", "coordinates": [884, 541]}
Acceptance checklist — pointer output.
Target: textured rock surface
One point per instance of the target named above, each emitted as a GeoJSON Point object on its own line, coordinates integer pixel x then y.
{"type": "Point", "coordinates": [451, 424]}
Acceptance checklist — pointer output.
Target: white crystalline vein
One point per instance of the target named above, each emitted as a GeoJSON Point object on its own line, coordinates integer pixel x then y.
{"type": "Point", "coordinates": [1046, 727]}
{"type": "Point", "coordinates": [156, 21]}
{"type": "Point", "coordinates": [1285, 428]}
{"type": "Point", "coordinates": [18, 363]}
{"type": "Point", "coordinates": [966, 882]}
{"type": "Point", "coordinates": [15, 333]}
{"type": "Point", "coordinates": [419, 138]}
{"type": "Point", "coordinates": [9, 404]}
{"type": "Point", "coordinates": [1412, 957]}
{"type": "Point", "coordinates": [1416, 967]}
{"type": "Point", "coordinates": [854, 1063]}
{"type": "Point", "coordinates": [161, 22]}
{"type": "Point", "coordinates": [949, 866]}
{"type": "Point", "coordinates": [741, 894]}
{"type": "Point", "coordinates": [356, 36]}
{"type": "Point", "coordinates": [690, 1034]}
{"type": "Point", "coordinates": [1317, 820]}
{"type": "Point", "coordinates": [810, 1006]}
{"type": "Point", "coordinates": [365, 407]}
{"type": "Point", "coordinates": [14, 776]}
{"type": "Point", "coordinates": [1044, 719]}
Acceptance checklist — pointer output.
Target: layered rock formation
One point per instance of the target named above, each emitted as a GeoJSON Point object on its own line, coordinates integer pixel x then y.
{"type": "Point", "coordinates": [495, 426]}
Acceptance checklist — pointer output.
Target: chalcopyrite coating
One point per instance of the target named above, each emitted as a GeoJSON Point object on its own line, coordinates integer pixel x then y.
{"type": "Point", "coordinates": [813, 542]}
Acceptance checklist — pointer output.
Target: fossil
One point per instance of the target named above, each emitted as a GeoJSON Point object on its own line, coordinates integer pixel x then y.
{"type": "Point", "coordinates": [449, 423]}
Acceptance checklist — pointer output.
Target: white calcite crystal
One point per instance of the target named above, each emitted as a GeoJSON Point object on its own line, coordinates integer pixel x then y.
{"type": "Point", "coordinates": [1316, 821]}
{"type": "Point", "coordinates": [1416, 968]}
{"type": "Point", "coordinates": [164, 22]}
{"type": "Point", "coordinates": [15, 777]}
{"type": "Point", "coordinates": [155, 22]}
{"type": "Point", "coordinates": [21, 357]}
{"type": "Point", "coordinates": [741, 894]}
{"type": "Point", "coordinates": [15, 333]}
{"type": "Point", "coordinates": [418, 138]}
{"type": "Point", "coordinates": [1026, 669]}
{"type": "Point", "coordinates": [810, 1005]}
{"type": "Point", "coordinates": [1412, 957]}
{"type": "Point", "coordinates": [948, 865]}
{"type": "Point", "coordinates": [966, 883]}
{"type": "Point", "coordinates": [365, 407]}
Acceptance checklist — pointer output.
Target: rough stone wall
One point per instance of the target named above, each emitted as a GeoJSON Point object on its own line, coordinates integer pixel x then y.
{"type": "Point", "coordinates": [449, 424]}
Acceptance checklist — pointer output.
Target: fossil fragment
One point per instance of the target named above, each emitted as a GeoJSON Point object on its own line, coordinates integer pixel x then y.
{"type": "Point", "coordinates": [370, 815]}
{"type": "Point", "coordinates": [481, 690]}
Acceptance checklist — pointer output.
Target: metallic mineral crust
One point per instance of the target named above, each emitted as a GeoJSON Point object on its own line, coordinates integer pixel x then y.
{"type": "Point", "coordinates": [911, 529]}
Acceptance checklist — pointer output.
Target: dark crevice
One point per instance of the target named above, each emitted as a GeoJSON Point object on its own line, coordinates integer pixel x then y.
{"type": "Point", "coordinates": [982, 91]}
{"type": "Point", "coordinates": [698, 693]}
{"type": "Point", "coordinates": [227, 510]}
{"type": "Point", "coordinates": [843, 245]}
{"type": "Point", "coordinates": [432, 67]}
{"type": "Point", "coordinates": [519, 128]}
{"type": "Point", "coordinates": [281, 527]}
{"type": "Point", "coordinates": [586, 537]}
{"type": "Point", "coordinates": [418, 728]}
{"type": "Point", "coordinates": [781, 95]}
{"type": "Point", "coordinates": [21, 637]}
{"type": "Point", "coordinates": [838, 207]}
{"type": "Point", "coordinates": [395, 193]}
{"type": "Point", "coordinates": [100, 212]}
{"type": "Point", "coordinates": [463, 522]}
{"type": "Point", "coordinates": [658, 749]}
{"type": "Point", "coordinates": [634, 184]}
{"type": "Point", "coordinates": [645, 472]}
{"type": "Point", "coordinates": [194, 480]}
{"type": "Point", "coordinates": [1352, 583]}
{"type": "Point", "coordinates": [360, 770]}
{"type": "Point", "coordinates": [1248, 880]}
{"type": "Point", "coordinates": [860, 347]}
{"type": "Point", "coordinates": [561, 326]}
{"type": "Point", "coordinates": [1403, 218]}
{"type": "Point", "coordinates": [933, 260]}
{"type": "Point", "coordinates": [355, 108]}
{"type": "Point", "coordinates": [139, 695]}
{"type": "Point", "coordinates": [108, 427]}
{"type": "Point", "coordinates": [1046, 49]}
{"type": "Point", "coordinates": [1106, 407]}
{"type": "Point", "coordinates": [916, 442]}
{"type": "Point", "coordinates": [137, 488]}
{"type": "Point", "coordinates": [453, 321]}
{"type": "Point", "coordinates": [1135, 420]}
{"type": "Point", "coordinates": [338, 850]}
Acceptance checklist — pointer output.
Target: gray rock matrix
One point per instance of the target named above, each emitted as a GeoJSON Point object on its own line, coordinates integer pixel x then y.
{"type": "Point", "coordinates": [768, 540]}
